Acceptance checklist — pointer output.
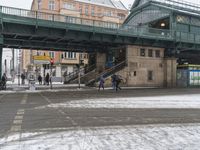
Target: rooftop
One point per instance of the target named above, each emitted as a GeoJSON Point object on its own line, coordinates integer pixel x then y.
{"type": "Point", "coordinates": [177, 3]}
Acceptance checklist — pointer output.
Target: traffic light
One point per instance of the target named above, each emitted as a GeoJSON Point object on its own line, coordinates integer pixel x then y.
{"type": "Point", "coordinates": [51, 61]}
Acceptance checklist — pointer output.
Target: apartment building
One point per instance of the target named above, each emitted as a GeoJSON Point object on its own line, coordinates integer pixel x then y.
{"type": "Point", "coordinates": [99, 10]}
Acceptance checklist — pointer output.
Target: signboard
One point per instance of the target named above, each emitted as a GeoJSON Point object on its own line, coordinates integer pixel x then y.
{"type": "Point", "coordinates": [41, 60]}
{"type": "Point", "coordinates": [194, 77]}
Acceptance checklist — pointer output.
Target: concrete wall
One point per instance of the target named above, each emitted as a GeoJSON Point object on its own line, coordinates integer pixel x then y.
{"type": "Point", "coordinates": [100, 62]}
{"type": "Point", "coordinates": [136, 72]}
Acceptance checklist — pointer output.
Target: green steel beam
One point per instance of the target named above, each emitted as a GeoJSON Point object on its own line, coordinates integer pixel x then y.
{"type": "Point", "coordinates": [1, 52]}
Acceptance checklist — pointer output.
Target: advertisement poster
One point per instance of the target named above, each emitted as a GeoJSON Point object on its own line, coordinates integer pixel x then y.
{"type": "Point", "coordinates": [194, 77]}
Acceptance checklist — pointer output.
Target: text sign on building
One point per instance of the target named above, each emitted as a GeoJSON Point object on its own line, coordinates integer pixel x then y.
{"type": "Point", "coordinates": [41, 59]}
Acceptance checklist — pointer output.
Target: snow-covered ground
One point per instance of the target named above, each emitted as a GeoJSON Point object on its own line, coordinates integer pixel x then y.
{"type": "Point", "coordinates": [136, 137]}
{"type": "Point", "coordinates": [145, 137]}
{"type": "Point", "coordinates": [179, 101]}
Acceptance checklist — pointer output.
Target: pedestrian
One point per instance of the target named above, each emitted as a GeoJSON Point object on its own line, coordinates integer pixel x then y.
{"type": "Point", "coordinates": [101, 83]}
{"type": "Point", "coordinates": [118, 81]}
{"type": "Point", "coordinates": [4, 80]}
{"type": "Point", "coordinates": [113, 79]}
{"type": "Point", "coordinates": [47, 79]}
{"type": "Point", "coordinates": [23, 78]}
{"type": "Point", "coordinates": [40, 79]}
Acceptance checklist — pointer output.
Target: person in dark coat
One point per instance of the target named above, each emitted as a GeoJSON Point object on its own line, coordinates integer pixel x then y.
{"type": "Point", "coordinates": [23, 78]}
{"type": "Point", "coordinates": [40, 79]}
{"type": "Point", "coordinates": [113, 78]}
{"type": "Point", "coordinates": [118, 81]}
{"type": "Point", "coordinates": [47, 79]}
{"type": "Point", "coordinates": [101, 83]}
{"type": "Point", "coordinates": [4, 80]}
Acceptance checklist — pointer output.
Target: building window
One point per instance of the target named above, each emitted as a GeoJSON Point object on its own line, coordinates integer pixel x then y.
{"type": "Point", "coordinates": [51, 5]}
{"type": "Point", "coordinates": [108, 13]}
{"type": "Point", "coordinates": [134, 73]}
{"type": "Point", "coordinates": [142, 52]}
{"type": "Point", "coordinates": [93, 11]}
{"type": "Point", "coordinates": [80, 8]}
{"type": "Point", "coordinates": [150, 75]}
{"type": "Point", "coordinates": [157, 53]}
{"type": "Point", "coordinates": [150, 53]}
{"type": "Point", "coordinates": [86, 10]}
{"type": "Point", "coordinates": [71, 55]}
{"type": "Point", "coordinates": [69, 6]}
{"type": "Point", "coordinates": [51, 54]}
{"type": "Point", "coordinates": [39, 4]}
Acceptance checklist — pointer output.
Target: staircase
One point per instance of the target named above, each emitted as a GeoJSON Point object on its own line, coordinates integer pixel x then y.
{"type": "Point", "coordinates": [106, 73]}
{"type": "Point", "coordinates": [73, 77]}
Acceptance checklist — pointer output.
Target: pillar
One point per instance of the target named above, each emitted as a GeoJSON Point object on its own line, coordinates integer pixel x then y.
{"type": "Point", "coordinates": [100, 62]}
{"type": "Point", "coordinates": [170, 72]}
{"type": "Point", "coordinates": [1, 52]}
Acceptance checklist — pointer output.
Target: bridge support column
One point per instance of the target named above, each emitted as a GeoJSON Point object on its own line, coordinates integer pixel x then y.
{"type": "Point", "coordinates": [1, 52]}
{"type": "Point", "coordinates": [170, 71]}
{"type": "Point", "coordinates": [100, 62]}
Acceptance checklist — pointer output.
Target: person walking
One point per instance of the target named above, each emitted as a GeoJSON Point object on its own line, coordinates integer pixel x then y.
{"type": "Point", "coordinates": [118, 81]}
{"type": "Point", "coordinates": [23, 78]}
{"type": "Point", "coordinates": [113, 79]}
{"type": "Point", "coordinates": [40, 79]}
{"type": "Point", "coordinates": [101, 83]}
{"type": "Point", "coordinates": [47, 79]}
{"type": "Point", "coordinates": [4, 80]}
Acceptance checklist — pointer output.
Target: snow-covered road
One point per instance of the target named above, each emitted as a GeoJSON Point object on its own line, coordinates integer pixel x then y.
{"type": "Point", "coordinates": [145, 137]}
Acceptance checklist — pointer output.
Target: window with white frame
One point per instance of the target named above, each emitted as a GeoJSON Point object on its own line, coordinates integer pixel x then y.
{"type": "Point", "coordinates": [52, 54]}
{"type": "Point", "coordinates": [69, 6]}
{"type": "Point", "coordinates": [51, 5]}
{"type": "Point", "coordinates": [71, 55]}
{"type": "Point", "coordinates": [86, 10]}
{"type": "Point", "coordinates": [39, 4]}
{"type": "Point", "coordinates": [93, 11]}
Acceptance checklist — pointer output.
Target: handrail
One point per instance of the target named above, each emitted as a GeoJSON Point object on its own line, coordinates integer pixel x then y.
{"type": "Point", "coordinates": [108, 71]}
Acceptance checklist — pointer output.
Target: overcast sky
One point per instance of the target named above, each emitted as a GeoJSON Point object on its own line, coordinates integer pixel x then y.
{"type": "Point", "coordinates": [26, 4]}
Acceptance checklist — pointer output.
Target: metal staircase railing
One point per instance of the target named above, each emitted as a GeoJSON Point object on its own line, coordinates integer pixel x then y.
{"type": "Point", "coordinates": [107, 73]}
{"type": "Point", "coordinates": [74, 75]}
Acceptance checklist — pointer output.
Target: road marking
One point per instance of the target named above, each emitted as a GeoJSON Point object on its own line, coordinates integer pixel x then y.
{"type": "Point", "coordinates": [15, 128]}
{"type": "Point", "coordinates": [17, 122]}
{"type": "Point", "coordinates": [18, 117]}
{"type": "Point", "coordinates": [24, 99]}
{"type": "Point", "coordinates": [60, 111]}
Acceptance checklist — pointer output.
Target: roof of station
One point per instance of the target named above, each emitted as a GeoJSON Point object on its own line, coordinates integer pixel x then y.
{"type": "Point", "coordinates": [176, 5]}
{"type": "Point", "coordinates": [179, 6]}
{"type": "Point", "coordinates": [117, 4]}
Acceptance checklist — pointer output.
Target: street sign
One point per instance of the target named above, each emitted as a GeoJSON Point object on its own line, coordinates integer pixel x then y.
{"type": "Point", "coordinates": [41, 59]}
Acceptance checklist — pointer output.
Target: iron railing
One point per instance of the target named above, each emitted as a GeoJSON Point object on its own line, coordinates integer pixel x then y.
{"type": "Point", "coordinates": [102, 26]}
